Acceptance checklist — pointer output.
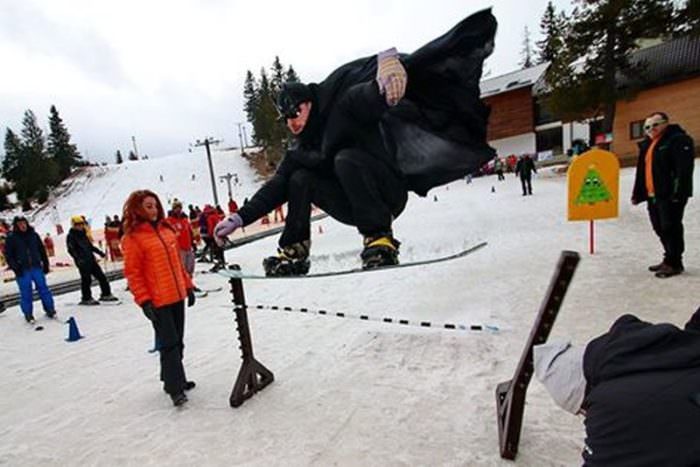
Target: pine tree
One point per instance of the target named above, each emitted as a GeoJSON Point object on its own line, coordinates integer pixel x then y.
{"type": "Point", "coordinates": [133, 156]}
{"type": "Point", "coordinates": [526, 52]}
{"type": "Point", "coordinates": [291, 75]}
{"type": "Point", "coordinates": [120, 159]}
{"type": "Point", "coordinates": [65, 154]}
{"type": "Point", "coordinates": [553, 28]}
{"type": "Point", "coordinates": [602, 35]}
{"type": "Point", "coordinates": [12, 163]}
{"type": "Point", "coordinates": [40, 171]}
{"type": "Point", "coordinates": [250, 95]}
{"type": "Point", "coordinates": [687, 18]}
{"type": "Point", "coordinates": [276, 77]}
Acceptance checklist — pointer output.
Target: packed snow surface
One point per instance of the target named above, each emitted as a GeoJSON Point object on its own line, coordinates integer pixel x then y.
{"type": "Point", "coordinates": [346, 391]}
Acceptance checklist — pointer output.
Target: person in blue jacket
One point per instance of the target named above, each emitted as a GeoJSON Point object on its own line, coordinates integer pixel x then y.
{"type": "Point", "coordinates": [26, 256]}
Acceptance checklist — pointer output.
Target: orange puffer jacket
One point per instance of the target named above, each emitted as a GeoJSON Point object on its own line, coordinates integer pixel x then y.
{"type": "Point", "coordinates": [152, 265]}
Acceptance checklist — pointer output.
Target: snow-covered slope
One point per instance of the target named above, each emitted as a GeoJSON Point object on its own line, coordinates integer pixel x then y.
{"type": "Point", "coordinates": [347, 392]}
{"type": "Point", "coordinates": [101, 191]}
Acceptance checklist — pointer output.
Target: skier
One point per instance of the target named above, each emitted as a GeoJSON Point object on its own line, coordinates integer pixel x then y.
{"type": "Point", "coordinates": [664, 179]}
{"type": "Point", "coordinates": [181, 224]}
{"type": "Point", "coordinates": [49, 245]}
{"type": "Point", "coordinates": [498, 167]}
{"type": "Point", "coordinates": [361, 138]}
{"type": "Point", "coordinates": [83, 252]}
{"type": "Point", "coordinates": [159, 283]}
{"type": "Point", "coordinates": [637, 387]}
{"type": "Point", "coordinates": [26, 256]}
{"type": "Point", "coordinates": [524, 168]}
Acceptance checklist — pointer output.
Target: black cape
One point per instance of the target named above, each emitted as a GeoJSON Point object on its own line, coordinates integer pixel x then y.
{"type": "Point", "coordinates": [437, 132]}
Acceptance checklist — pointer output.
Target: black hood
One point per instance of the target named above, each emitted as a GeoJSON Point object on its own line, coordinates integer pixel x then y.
{"type": "Point", "coordinates": [16, 221]}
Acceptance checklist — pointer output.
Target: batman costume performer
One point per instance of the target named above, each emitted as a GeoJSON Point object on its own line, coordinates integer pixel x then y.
{"type": "Point", "coordinates": [357, 157]}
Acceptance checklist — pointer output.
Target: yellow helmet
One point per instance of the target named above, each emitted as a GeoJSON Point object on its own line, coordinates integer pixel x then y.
{"type": "Point", "coordinates": [77, 220]}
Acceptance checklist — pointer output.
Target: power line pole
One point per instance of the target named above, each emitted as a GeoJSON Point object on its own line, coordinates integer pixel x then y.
{"type": "Point", "coordinates": [240, 138]}
{"type": "Point", "coordinates": [245, 137]}
{"type": "Point", "coordinates": [228, 178]}
{"type": "Point", "coordinates": [206, 143]}
{"type": "Point", "coordinates": [136, 151]}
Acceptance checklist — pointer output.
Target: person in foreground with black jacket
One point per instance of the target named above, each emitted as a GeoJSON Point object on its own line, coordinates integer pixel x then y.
{"type": "Point", "coordinates": [26, 256]}
{"type": "Point", "coordinates": [664, 179]}
{"type": "Point", "coordinates": [638, 386]}
{"type": "Point", "coordinates": [83, 252]}
{"type": "Point", "coordinates": [373, 130]}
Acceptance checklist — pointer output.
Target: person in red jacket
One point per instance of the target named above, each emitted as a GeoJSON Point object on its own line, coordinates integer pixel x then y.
{"type": "Point", "coordinates": [214, 216]}
{"type": "Point", "coordinates": [159, 283]}
{"type": "Point", "coordinates": [179, 221]}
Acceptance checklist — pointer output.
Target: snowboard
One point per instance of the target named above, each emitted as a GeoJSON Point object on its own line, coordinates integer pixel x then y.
{"type": "Point", "coordinates": [237, 274]}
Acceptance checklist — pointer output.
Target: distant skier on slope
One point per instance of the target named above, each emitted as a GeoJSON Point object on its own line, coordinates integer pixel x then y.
{"type": "Point", "coordinates": [370, 132]}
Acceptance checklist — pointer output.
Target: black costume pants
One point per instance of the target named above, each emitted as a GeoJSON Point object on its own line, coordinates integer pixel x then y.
{"type": "Point", "coordinates": [87, 272]}
{"type": "Point", "coordinates": [527, 185]}
{"type": "Point", "coordinates": [667, 220]}
{"type": "Point", "coordinates": [365, 193]}
{"type": "Point", "coordinates": [170, 329]}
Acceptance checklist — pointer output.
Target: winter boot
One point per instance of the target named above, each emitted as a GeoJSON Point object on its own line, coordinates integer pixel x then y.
{"type": "Point", "coordinates": [666, 270]}
{"type": "Point", "coordinates": [178, 399]}
{"type": "Point", "coordinates": [29, 318]}
{"type": "Point", "coordinates": [88, 302]}
{"type": "Point", "coordinates": [380, 250]}
{"type": "Point", "coordinates": [292, 260]}
{"type": "Point", "coordinates": [108, 298]}
{"type": "Point", "coordinates": [656, 267]}
{"type": "Point", "coordinates": [51, 314]}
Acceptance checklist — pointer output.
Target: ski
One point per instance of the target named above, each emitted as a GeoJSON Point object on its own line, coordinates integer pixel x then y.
{"type": "Point", "coordinates": [237, 274]}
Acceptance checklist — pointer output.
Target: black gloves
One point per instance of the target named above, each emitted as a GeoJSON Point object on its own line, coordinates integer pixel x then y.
{"type": "Point", "coordinates": [46, 268]}
{"type": "Point", "coordinates": [190, 298]}
{"type": "Point", "coordinates": [148, 311]}
{"type": "Point", "coordinates": [102, 253]}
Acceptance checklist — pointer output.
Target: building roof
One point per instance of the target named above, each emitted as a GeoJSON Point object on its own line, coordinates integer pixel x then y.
{"type": "Point", "coordinates": [513, 80]}
{"type": "Point", "coordinates": [672, 60]}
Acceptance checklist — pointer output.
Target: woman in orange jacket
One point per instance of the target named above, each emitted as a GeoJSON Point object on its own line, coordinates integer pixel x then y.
{"type": "Point", "coordinates": [159, 284]}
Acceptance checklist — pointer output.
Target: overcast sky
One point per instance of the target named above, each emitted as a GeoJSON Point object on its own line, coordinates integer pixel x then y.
{"type": "Point", "coordinates": [171, 71]}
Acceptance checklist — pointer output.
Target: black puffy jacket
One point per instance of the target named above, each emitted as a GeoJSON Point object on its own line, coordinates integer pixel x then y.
{"type": "Point", "coordinates": [643, 396]}
{"type": "Point", "coordinates": [672, 167]}
{"type": "Point", "coordinates": [24, 251]}
{"type": "Point", "coordinates": [81, 248]}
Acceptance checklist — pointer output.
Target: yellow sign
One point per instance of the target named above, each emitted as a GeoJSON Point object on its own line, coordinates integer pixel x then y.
{"type": "Point", "coordinates": [594, 186]}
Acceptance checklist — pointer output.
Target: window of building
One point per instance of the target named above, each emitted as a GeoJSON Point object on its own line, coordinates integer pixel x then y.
{"type": "Point", "coordinates": [551, 139]}
{"type": "Point", "coordinates": [637, 129]}
{"type": "Point", "coordinates": [542, 115]}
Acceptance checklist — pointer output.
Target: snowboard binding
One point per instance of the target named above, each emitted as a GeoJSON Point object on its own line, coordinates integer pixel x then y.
{"type": "Point", "coordinates": [380, 250]}
{"type": "Point", "coordinates": [292, 260]}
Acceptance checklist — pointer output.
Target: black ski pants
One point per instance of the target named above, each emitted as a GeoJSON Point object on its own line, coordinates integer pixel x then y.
{"type": "Point", "coordinates": [364, 192]}
{"type": "Point", "coordinates": [526, 182]}
{"type": "Point", "coordinates": [169, 326]}
{"type": "Point", "coordinates": [666, 219]}
{"type": "Point", "coordinates": [87, 272]}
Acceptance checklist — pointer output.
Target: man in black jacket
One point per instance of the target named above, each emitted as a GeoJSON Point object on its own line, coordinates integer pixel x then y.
{"type": "Point", "coordinates": [641, 383]}
{"type": "Point", "coordinates": [664, 179]}
{"type": "Point", "coordinates": [82, 250]}
{"type": "Point", "coordinates": [373, 130]}
{"type": "Point", "coordinates": [524, 168]}
{"type": "Point", "coordinates": [26, 256]}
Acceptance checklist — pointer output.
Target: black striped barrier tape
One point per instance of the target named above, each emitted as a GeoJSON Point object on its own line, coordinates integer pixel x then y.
{"type": "Point", "coordinates": [403, 322]}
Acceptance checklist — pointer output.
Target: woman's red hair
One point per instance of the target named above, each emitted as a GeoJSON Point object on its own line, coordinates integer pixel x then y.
{"type": "Point", "coordinates": [133, 213]}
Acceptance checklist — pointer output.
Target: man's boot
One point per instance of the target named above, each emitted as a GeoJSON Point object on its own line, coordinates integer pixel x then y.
{"type": "Point", "coordinates": [380, 250]}
{"type": "Point", "coordinates": [668, 271]}
{"type": "Point", "coordinates": [291, 260]}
